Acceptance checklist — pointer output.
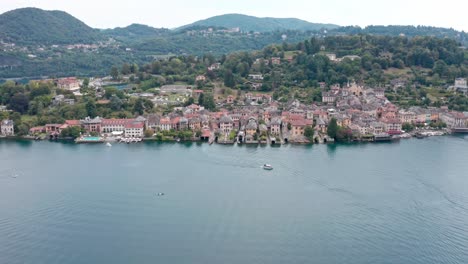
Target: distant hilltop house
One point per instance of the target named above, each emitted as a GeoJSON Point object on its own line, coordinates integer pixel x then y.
{"type": "Point", "coordinates": [256, 76]}
{"type": "Point", "coordinates": [60, 99]}
{"type": "Point", "coordinates": [334, 58]}
{"type": "Point", "coordinates": [460, 85]}
{"type": "Point", "coordinates": [331, 56]}
{"type": "Point", "coordinates": [275, 60]}
{"type": "Point", "coordinates": [214, 66]}
{"type": "Point", "coordinates": [177, 89]}
{"type": "Point", "coordinates": [259, 61]}
{"type": "Point", "coordinates": [200, 78]}
{"type": "Point", "coordinates": [70, 83]}
{"type": "Point", "coordinates": [7, 128]}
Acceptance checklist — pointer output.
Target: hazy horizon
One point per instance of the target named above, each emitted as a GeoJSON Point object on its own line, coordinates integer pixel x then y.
{"type": "Point", "coordinates": [176, 13]}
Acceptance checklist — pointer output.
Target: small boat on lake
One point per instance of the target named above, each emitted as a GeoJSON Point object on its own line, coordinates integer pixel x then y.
{"type": "Point", "coordinates": [108, 144]}
{"type": "Point", "coordinates": [267, 167]}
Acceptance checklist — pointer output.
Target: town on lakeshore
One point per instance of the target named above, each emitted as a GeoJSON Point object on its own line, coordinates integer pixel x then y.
{"type": "Point", "coordinates": [351, 112]}
{"type": "Point", "coordinates": [229, 79]}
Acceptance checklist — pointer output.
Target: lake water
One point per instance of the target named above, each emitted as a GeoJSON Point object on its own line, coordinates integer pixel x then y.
{"type": "Point", "coordinates": [403, 202]}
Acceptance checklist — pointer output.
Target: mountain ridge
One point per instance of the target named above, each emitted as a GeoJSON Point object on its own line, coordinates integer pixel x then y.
{"type": "Point", "coordinates": [258, 24]}
{"type": "Point", "coordinates": [33, 25]}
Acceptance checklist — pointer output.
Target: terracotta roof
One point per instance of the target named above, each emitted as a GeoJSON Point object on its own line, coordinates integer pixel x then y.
{"type": "Point", "coordinates": [300, 122]}
{"type": "Point", "coordinates": [73, 122]}
{"type": "Point", "coordinates": [53, 125]}
{"type": "Point", "coordinates": [115, 122]}
{"type": "Point", "coordinates": [134, 125]}
{"type": "Point", "coordinates": [37, 129]}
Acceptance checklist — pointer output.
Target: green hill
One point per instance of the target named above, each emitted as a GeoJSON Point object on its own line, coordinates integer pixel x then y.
{"type": "Point", "coordinates": [137, 31]}
{"type": "Point", "coordinates": [264, 24]}
{"type": "Point", "coordinates": [36, 26]}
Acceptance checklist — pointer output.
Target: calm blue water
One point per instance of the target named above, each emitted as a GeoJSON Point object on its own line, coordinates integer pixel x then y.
{"type": "Point", "coordinates": [372, 203]}
{"type": "Point", "coordinates": [92, 138]}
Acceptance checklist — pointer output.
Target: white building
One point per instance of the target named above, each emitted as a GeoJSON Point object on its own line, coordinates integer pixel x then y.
{"type": "Point", "coordinates": [461, 85]}
{"type": "Point", "coordinates": [7, 128]}
{"type": "Point", "coordinates": [134, 130]}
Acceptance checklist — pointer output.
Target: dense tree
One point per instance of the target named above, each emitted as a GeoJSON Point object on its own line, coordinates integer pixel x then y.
{"type": "Point", "coordinates": [114, 73]}
{"type": "Point", "coordinates": [201, 99]}
{"type": "Point", "coordinates": [91, 108]}
{"type": "Point", "coordinates": [115, 103]}
{"type": "Point", "coordinates": [208, 102]}
{"type": "Point", "coordinates": [309, 133]}
{"type": "Point", "coordinates": [125, 69]}
{"type": "Point", "coordinates": [19, 103]}
{"type": "Point", "coordinates": [189, 101]}
{"type": "Point", "coordinates": [229, 79]}
{"type": "Point", "coordinates": [71, 132]}
{"type": "Point", "coordinates": [41, 90]}
{"type": "Point", "coordinates": [332, 129]}
{"type": "Point", "coordinates": [138, 107]}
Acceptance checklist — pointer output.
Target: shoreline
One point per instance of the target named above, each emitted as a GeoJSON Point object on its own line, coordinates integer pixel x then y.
{"type": "Point", "coordinates": [411, 135]}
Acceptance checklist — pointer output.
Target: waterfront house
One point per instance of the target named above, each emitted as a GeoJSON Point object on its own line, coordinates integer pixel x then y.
{"type": "Point", "coordinates": [152, 121]}
{"type": "Point", "coordinates": [226, 124]}
{"type": "Point", "coordinates": [183, 123]}
{"type": "Point", "coordinates": [251, 127]}
{"type": "Point", "coordinates": [92, 124]}
{"type": "Point", "coordinates": [175, 123]}
{"type": "Point", "coordinates": [434, 112]}
{"type": "Point", "coordinates": [454, 119]}
{"type": "Point", "coordinates": [114, 125]}
{"type": "Point", "coordinates": [134, 129]}
{"type": "Point", "coordinates": [361, 128]}
{"type": "Point", "coordinates": [36, 130]}
{"type": "Point", "coordinates": [275, 126]}
{"type": "Point", "coordinates": [205, 121]}
{"type": "Point", "coordinates": [407, 116]}
{"type": "Point", "coordinates": [164, 124]}
{"type": "Point", "coordinates": [53, 128]}
{"type": "Point", "coordinates": [194, 123]}
{"type": "Point", "coordinates": [298, 127]}
{"type": "Point", "coordinates": [7, 128]}
{"type": "Point", "coordinates": [377, 127]}
{"type": "Point", "coordinates": [392, 126]}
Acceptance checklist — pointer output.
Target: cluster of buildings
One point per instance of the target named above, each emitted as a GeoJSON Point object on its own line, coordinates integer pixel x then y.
{"type": "Point", "coordinates": [364, 112]}
{"type": "Point", "coordinates": [128, 127]}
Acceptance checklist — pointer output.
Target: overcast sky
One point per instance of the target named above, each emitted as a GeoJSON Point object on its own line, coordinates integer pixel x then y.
{"type": "Point", "coordinates": [174, 13]}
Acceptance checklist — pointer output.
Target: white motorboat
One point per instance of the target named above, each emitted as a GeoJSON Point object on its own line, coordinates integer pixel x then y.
{"type": "Point", "coordinates": [267, 167]}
